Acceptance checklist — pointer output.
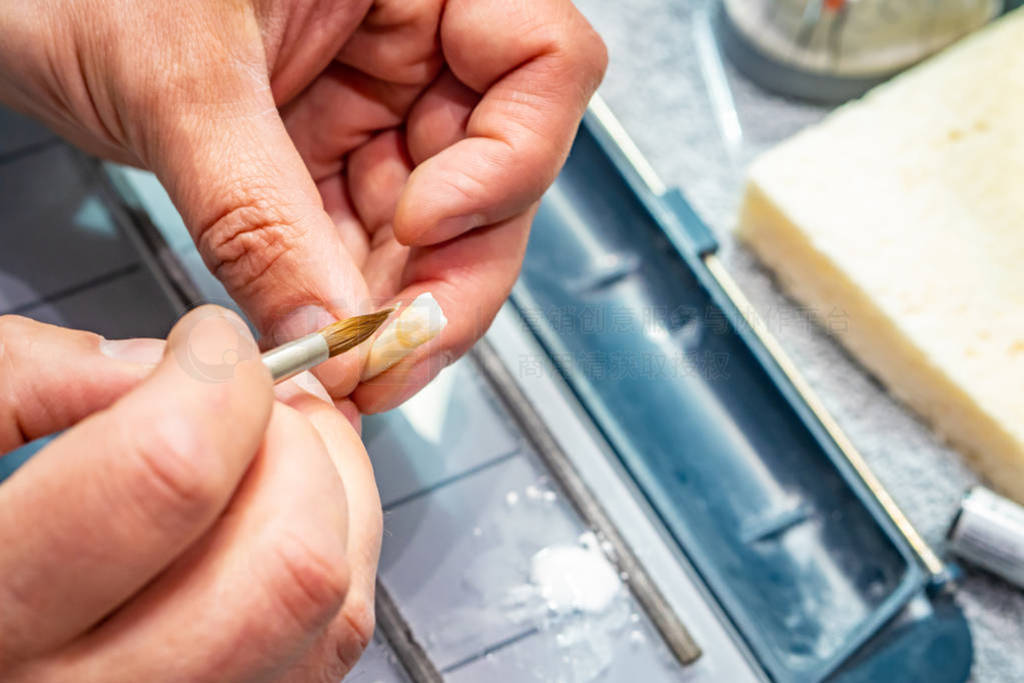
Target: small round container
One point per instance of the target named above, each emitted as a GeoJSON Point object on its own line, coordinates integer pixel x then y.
{"type": "Point", "coordinates": [833, 50]}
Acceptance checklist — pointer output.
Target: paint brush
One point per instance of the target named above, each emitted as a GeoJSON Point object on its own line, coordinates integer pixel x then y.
{"type": "Point", "coordinates": [419, 322]}
{"type": "Point", "coordinates": [283, 362]}
{"type": "Point", "coordinates": [290, 359]}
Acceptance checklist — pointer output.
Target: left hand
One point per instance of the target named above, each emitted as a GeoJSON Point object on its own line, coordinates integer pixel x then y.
{"type": "Point", "coordinates": [327, 155]}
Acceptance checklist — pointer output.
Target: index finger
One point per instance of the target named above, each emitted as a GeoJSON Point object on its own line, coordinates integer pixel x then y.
{"type": "Point", "coordinates": [537, 64]}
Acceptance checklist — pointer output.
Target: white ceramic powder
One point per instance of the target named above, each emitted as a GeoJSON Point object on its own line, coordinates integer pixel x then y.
{"type": "Point", "coordinates": [575, 577]}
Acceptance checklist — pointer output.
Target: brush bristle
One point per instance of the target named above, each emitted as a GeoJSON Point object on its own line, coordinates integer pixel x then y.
{"type": "Point", "coordinates": [346, 334]}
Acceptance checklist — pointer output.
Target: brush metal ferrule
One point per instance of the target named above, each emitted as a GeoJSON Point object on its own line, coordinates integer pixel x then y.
{"type": "Point", "coordinates": [294, 357]}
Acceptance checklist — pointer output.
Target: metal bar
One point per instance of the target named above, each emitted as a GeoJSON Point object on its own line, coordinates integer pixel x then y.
{"type": "Point", "coordinates": [133, 221]}
{"type": "Point", "coordinates": [646, 591]}
{"type": "Point", "coordinates": [396, 631]}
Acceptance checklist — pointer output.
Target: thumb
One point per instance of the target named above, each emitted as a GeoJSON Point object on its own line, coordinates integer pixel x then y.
{"type": "Point", "coordinates": [53, 377]}
{"type": "Point", "coordinates": [258, 221]}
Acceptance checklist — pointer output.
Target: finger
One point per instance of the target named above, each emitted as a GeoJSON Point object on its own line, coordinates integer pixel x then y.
{"type": "Point", "coordinates": [377, 173]}
{"type": "Point", "coordinates": [340, 111]}
{"type": "Point", "coordinates": [349, 457]}
{"type": "Point", "coordinates": [380, 169]}
{"type": "Point", "coordinates": [440, 116]}
{"type": "Point", "coordinates": [381, 70]}
{"type": "Point", "coordinates": [397, 42]}
{"type": "Point", "coordinates": [470, 277]}
{"type": "Point", "coordinates": [350, 412]}
{"type": "Point", "coordinates": [301, 385]}
{"type": "Point", "coordinates": [338, 205]}
{"type": "Point", "coordinates": [537, 65]}
{"type": "Point", "coordinates": [258, 220]}
{"type": "Point", "coordinates": [98, 513]}
{"type": "Point", "coordinates": [256, 591]}
{"type": "Point", "coordinates": [51, 377]}
{"type": "Point", "coordinates": [295, 391]}
{"type": "Point", "coordinates": [385, 265]}
{"type": "Point", "coordinates": [338, 648]}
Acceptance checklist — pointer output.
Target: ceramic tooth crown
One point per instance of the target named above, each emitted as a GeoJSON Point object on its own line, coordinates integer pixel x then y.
{"type": "Point", "coordinates": [416, 324]}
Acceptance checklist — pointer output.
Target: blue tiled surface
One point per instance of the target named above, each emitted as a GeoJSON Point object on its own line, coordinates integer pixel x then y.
{"type": "Point", "coordinates": [56, 234]}
{"type": "Point", "coordinates": [578, 651]}
{"type": "Point", "coordinates": [20, 134]}
{"type": "Point", "coordinates": [377, 665]}
{"type": "Point", "coordinates": [63, 259]}
{"type": "Point", "coordinates": [128, 305]}
{"type": "Point", "coordinates": [449, 428]}
{"type": "Point", "coordinates": [451, 558]}
{"type": "Point", "coordinates": [457, 561]}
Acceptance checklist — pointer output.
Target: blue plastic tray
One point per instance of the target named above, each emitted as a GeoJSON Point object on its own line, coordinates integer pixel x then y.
{"type": "Point", "coordinates": [798, 551]}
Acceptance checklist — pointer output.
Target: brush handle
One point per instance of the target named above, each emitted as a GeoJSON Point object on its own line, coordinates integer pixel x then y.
{"type": "Point", "coordinates": [294, 357]}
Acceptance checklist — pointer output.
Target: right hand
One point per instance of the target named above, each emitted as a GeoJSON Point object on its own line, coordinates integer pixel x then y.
{"type": "Point", "coordinates": [186, 526]}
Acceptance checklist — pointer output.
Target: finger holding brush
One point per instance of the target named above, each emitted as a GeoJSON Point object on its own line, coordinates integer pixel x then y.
{"type": "Point", "coordinates": [180, 494]}
{"type": "Point", "coordinates": [307, 352]}
{"type": "Point", "coordinates": [283, 362]}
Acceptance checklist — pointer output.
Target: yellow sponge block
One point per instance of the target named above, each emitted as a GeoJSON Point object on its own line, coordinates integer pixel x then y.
{"type": "Point", "coordinates": [905, 210]}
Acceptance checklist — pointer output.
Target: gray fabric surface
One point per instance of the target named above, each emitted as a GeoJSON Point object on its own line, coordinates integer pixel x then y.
{"type": "Point", "coordinates": [657, 88]}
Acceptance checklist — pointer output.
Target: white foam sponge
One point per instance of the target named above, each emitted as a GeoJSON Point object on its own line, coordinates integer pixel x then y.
{"type": "Point", "coordinates": [903, 213]}
{"type": "Point", "coordinates": [416, 324]}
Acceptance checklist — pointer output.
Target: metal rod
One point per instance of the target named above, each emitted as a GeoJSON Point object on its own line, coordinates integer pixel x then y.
{"type": "Point", "coordinates": [640, 583]}
{"type": "Point", "coordinates": [396, 631]}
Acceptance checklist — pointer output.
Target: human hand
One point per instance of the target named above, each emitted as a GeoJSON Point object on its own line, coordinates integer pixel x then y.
{"type": "Point", "coordinates": [187, 527]}
{"type": "Point", "coordinates": [327, 156]}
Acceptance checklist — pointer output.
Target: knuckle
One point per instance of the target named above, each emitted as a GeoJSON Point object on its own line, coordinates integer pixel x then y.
{"type": "Point", "coordinates": [314, 581]}
{"type": "Point", "coordinates": [360, 620]}
{"type": "Point", "coordinates": [242, 245]}
{"type": "Point", "coordinates": [587, 56]}
{"type": "Point", "coordinates": [350, 634]}
{"type": "Point", "coordinates": [596, 52]}
{"type": "Point", "coordinates": [14, 328]}
{"type": "Point", "coordinates": [180, 480]}
{"type": "Point", "coordinates": [581, 51]}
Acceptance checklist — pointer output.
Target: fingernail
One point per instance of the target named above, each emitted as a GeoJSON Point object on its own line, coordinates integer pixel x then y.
{"type": "Point", "coordinates": [141, 351]}
{"type": "Point", "coordinates": [301, 322]}
{"type": "Point", "coordinates": [447, 228]}
{"type": "Point", "coordinates": [307, 383]}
